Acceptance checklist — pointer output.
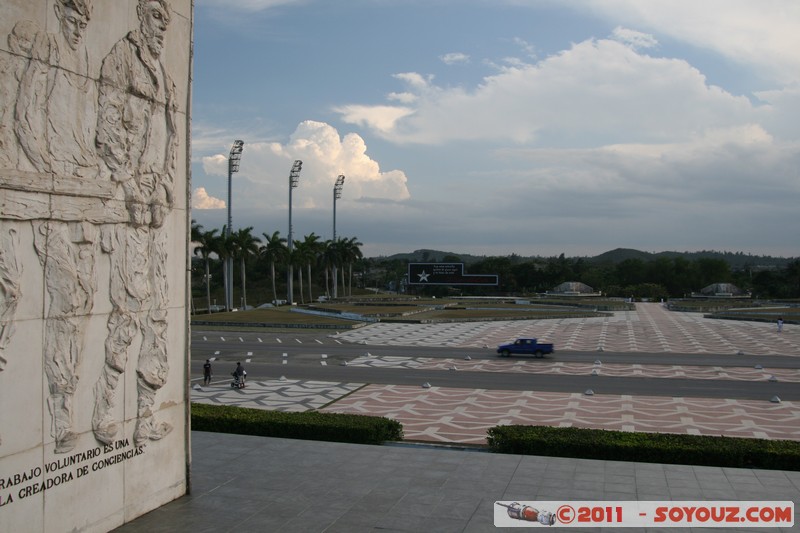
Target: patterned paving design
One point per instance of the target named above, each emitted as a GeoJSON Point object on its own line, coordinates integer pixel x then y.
{"type": "Point", "coordinates": [650, 329]}
{"type": "Point", "coordinates": [578, 369]}
{"type": "Point", "coordinates": [276, 395]}
{"type": "Point", "coordinates": [463, 415]}
{"type": "Point", "coordinates": [449, 415]}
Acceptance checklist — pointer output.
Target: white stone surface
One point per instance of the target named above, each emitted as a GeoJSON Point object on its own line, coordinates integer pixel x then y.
{"type": "Point", "coordinates": [93, 228]}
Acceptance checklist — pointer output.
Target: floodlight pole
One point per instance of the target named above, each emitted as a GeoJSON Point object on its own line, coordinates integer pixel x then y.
{"type": "Point", "coordinates": [294, 180]}
{"type": "Point", "coordinates": [337, 193]}
{"type": "Point", "coordinates": [233, 166]}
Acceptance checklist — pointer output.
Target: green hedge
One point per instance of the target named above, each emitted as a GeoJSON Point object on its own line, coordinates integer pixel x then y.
{"type": "Point", "coordinates": [646, 447]}
{"type": "Point", "coordinates": [310, 425]}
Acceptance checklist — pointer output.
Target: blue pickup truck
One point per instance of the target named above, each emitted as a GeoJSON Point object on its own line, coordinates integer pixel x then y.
{"type": "Point", "coordinates": [525, 347]}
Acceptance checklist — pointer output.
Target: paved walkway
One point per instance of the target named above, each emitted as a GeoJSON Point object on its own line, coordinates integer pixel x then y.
{"type": "Point", "coordinates": [252, 484]}
{"type": "Point", "coordinates": [448, 415]}
{"type": "Point", "coordinates": [598, 368]}
{"type": "Point", "coordinates": [248, 484]}
{"type": "Point", "coordinates": [651, 328]}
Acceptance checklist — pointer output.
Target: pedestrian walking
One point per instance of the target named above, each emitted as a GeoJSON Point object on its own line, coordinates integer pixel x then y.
{"type": "Point", "coordinates": [780, 324]}
{"type": "Point", "coordinates": [207, 372]}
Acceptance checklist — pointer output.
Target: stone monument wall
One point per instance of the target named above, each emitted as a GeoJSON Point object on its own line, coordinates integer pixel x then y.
{"type": "Point", "coordinates": [94, 122]}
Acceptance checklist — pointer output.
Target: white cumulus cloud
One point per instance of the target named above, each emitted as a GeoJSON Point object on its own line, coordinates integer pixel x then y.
{"type": "Point", "coordinates": [382, 118]}
{"type": "Point", "coordinates": [596, 92]}
{"type": "Point", "coordinates": [265, 166]}
{"type": "Point", "coordinates": [201, 200]}
{"type": "Point", "coordinates": [454, 57]}
{"type": "Point", "coordinates": [633, 38]}
{"type": "Point", "coordinates": [762, 34]}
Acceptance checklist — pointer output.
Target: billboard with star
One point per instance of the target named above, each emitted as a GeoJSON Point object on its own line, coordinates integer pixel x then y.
{"type": "Point", "coordinates": [446, 274]}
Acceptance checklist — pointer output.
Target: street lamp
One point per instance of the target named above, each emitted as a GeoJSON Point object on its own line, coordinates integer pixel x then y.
{"type": "Point", "coordinates": [233, 166]}
{"type": "Point", "coordinates": [337, 193]}
{"type": "Point", "coordinates": [294, 180]}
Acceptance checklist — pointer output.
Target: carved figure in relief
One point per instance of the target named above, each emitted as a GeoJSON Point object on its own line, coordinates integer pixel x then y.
{"type": "Point", "coordinates": [54, 125]}
{"type": "Point", "coordinates": [10, 273]}
{"type": "Point", "coordinates": [55, 111]}
{"type": "Point", "coordinates": [136, 137]}
{"type": "Point", "coordinates": [10, 293]}
{"type": "Point", "coordinates": [12, 67]}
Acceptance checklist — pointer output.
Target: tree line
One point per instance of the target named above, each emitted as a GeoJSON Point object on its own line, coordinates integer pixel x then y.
{"type": "Point", "coordinates": [662, 277]}
{"type": "Point", "coordinates": [268, 256]}
{"type": "Point", "coordinates": [321, 267]}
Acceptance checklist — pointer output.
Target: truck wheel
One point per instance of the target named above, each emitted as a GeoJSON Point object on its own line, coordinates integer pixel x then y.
{"type": "Point", "coordinates": [505, 353]}
{"type": "Point", "coordinates": [538, 354]}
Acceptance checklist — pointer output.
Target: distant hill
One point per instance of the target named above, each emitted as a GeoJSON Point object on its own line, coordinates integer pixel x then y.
{"type": "Point", "coordinates": [433, 256]}
{"type": "Point", "coordinates": [736, 260]}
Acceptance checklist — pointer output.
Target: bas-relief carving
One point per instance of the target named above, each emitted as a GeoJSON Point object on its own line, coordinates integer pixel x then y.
{"type": "Point", "coordinates": [78, 144]}
{"type": "Point", "coordinates": [137, 139]}
{"type": "Point", "coordinates": [54, 108]}
{"type": "Point", "coordinates": [10, 274]}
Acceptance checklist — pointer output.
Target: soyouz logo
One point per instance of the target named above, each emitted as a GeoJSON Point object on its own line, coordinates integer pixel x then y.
{"type": "Point", "coordinates": [721, 514]}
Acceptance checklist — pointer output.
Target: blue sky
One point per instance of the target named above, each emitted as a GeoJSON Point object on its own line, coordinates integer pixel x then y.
{"type": "Point", "coordinates": [492, 127]}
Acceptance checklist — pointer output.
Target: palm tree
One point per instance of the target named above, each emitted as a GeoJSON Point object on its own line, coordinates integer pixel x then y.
{"type": "Point", "coordinates": [291, 261]}
{"type": "Point", "coordinates": [206, 246]}
{"type": "Point", "coordinates": [341, 252]}
{"type": "Point", "coordinates": [337, 253]}
{"type": "Point", "coordinates": [244, 244]}
{"type": "Point", "coordinates": [225, 248]}
{"type": "Point", "coordinates": [197, 231]}
{"type": "Point", "coordinates": [297, 258]}
{"type": "Point", "coordinates": [329, 258]}
{"type": "Point", "coordinates": [274, 251]}
{"type": "Point", "coordinates": [309, 251]}
{"type": "Point", "coordinates": [351, 252]}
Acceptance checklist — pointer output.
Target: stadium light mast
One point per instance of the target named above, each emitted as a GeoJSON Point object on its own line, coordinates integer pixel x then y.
{"type": "Point", "coordinates": [337, 193]}
{"type": "Point", "coordinates": [233, 166]}
{"type": "Point", "coordinates": [294, 181]}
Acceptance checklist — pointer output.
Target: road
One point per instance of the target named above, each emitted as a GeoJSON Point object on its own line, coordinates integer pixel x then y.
{"type": "Point", "coordinates": [263, 356]}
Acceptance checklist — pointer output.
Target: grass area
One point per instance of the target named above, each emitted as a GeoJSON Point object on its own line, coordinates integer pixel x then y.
{"type": "Point", "coordinates": [495, 314]}
{"type": "Point", "coordinates": [790, 315]}
{"type": "Point", "coordinates": [372, 309]}
{"type": "Point", "coordinates": [392, 310]}
{"type": "Point", "coordinates": [710, 305]}
{"type": "Point", "coordinates": [275, 315]}
{"type": "Point", "coordinates": [410, 309]}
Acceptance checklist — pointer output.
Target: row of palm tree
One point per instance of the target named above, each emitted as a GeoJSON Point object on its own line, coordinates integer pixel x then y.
{"type": "Point", "coordinates": [309, 253]}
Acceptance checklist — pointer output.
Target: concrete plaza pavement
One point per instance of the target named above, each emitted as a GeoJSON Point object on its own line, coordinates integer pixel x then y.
{"type": "Point", "coordinates": [254, 484]}
{"type": "Point", "coordinates": [462, 416]}
{"type": "Point", "coordinates": [242, 483]}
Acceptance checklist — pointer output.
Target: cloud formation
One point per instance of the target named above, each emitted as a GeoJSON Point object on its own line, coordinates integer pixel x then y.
{"type": "Point", "coordinates": [608, 139]}
{"type": "Point", "coordinates": [596, 92]}
{"type": "Point", "coordinates": [201, 200]}
{"type": "Point", "coordinates": [762, 35]}
{"type": "Point", "coordinates": [454, 58]}
{"type": "Point", "coordinates": [325, 155]}
{"type": "Point", "coordinates": [646, 138]}
{"type": "Point", "coordinates": [634, 39]}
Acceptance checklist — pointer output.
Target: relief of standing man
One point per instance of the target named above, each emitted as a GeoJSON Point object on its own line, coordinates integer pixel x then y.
{"type": "Point", "coordinates": [136, 138]}
{"type": "Point", "coordinates": [54, 125]}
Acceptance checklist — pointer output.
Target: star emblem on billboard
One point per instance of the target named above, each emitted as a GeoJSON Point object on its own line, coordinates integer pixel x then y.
{"type": "Point", "coordinates": [423, 276]}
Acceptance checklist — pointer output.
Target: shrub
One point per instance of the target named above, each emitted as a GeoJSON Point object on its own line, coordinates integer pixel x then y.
{"type": "Point", "coordinates": [310, 425]}
{"type": "Point", "coordinates": [646, 447]}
